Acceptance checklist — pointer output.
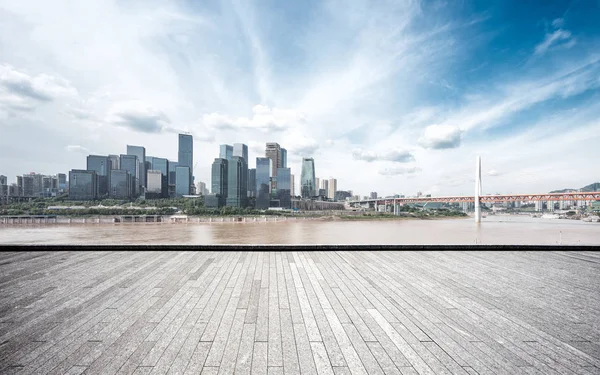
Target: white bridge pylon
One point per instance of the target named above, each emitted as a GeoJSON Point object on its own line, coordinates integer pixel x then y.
{"type": "Point", "coordinates": [478, 190]}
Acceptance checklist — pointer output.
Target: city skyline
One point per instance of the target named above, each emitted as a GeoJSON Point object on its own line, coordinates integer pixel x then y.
{"type": "Point", "coordinates": [399, 101]}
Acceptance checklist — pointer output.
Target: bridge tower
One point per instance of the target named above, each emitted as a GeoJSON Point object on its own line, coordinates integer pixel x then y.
{"type": "Point", "coordinates": [478, 190]}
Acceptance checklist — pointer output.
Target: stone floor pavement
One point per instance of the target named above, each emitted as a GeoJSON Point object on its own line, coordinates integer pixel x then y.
{"type": "Point", "coordinates": [300, 312]}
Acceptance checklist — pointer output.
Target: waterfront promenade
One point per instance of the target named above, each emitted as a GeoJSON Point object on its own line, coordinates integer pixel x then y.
{"type": "Point", "coordinates": [312, 312]}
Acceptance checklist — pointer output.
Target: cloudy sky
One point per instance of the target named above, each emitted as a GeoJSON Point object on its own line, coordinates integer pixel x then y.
{"type": "Point", "coordinates": [386, 96]}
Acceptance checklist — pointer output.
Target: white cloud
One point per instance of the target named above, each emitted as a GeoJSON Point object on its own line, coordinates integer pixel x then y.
{"type": "Point", "coordinates": [557, 38]}
{"type": "Point", "coordinates": [78, 149]}
{"type": "Point", "coordinates": [395, 155]}
{"type": "Point", "coordinates": [441, 137]}
{"type": "Point", "coordinates": [399, 171]}
{"type": "Point", "coordinates": [264, 119]}
{"type": "Point", "coordinates": [139, 117]}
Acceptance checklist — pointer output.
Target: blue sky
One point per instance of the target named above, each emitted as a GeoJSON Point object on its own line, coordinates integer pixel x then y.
{"type": "Point", "coordinates": [387, 96]}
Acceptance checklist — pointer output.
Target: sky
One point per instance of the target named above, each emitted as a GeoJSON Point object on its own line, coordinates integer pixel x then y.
{"type": "Point", "coordinates": [388, 96]}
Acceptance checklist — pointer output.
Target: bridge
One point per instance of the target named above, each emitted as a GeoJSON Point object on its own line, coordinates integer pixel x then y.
{"type": "Point", "coordinates": [478, 198]}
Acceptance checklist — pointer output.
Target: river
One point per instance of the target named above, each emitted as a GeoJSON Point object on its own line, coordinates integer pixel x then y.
{"type": "Point", "coordinates": [494, 230]}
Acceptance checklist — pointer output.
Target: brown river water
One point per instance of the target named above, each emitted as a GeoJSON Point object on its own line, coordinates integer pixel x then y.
{"type": "Point", "coordinates": [494, 230]}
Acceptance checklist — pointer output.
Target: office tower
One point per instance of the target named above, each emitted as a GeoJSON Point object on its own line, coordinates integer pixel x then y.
{"type": "Point", "coordinates": [263, 182]}
{"type": "Point", "coordinates": [102, 165]}
{"type": "Point", "coordinates": [62, 182]}
{"type": "Point", "coordinates": [273, 152]}
{"type": "Point", "coordinates": [140, 152]}
{"type": "Point", "coordinates": [162, 165]}
{"type": "Point", "coordinates": [252, 182]}
{"type": "Point", "coordinates": [185, 156]}
{"type": "Point", "coordinates": [325, 185]}
{"type": "Point", "coordinates": [131, 164]}
{"type": "Point", "coordinates": [293, 185]}
{"type": "Point", "coordinates": [373, 195]}
{"type": "Point", "coordinates": [307, 178]}
{"type": "Point", "coordinates": [172, 177]}
{"type": "Point", "coordinates": [202, 188]}
{"type": "Point", "coordinates": [237, 184]}
{"type": "Point", "coordinates": [121, 184]}
{"type": "Point", "coordinates": [182, 181]}
{"type": "Point", "coordinates": [225, 152]}
{"type": "Point", "coordinates": [154, 183]}
{"type": "Point", "coordinates": [114, 160]}
{"type": "Point", "coordinates": [283, 153]}
{"type": "Point", "coordinates": [284, 180]}
{"type": "Point", "coordinates": [219, 180]}
{"type": "Point", "coordinates": [332, 188]}
{"type": "Point", "coordinates": [83, 184]}
{"type": "Point", "coordinates": [317, 185]}
{"type": "Point", "coordinates": [241, 150]}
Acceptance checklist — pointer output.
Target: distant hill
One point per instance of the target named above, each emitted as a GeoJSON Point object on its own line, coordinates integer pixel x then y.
{"type": "Point", "coordinates": [591, 187]}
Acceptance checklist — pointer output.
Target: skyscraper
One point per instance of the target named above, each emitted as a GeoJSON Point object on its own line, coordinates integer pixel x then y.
{"type": "Point", "coordinates": [172, 177]}
{"type": "Point", "coordinates": [263, 184]}
{"type": "Point", "coordinates": [252, 182]}
{"type": "Point", "coordinates": [325, 185]}
{"type": "Point", "coordinates": [83, 185]}
{"type": "Point", "coordinates": [219, 179]}
{"type": "Point", "coordinates": [273, 152]}
{"type": "Point", "coordinates": [284, 187]}
{"type": "Point", "coordinates": [140, 152]}
{"type": "Point", "coordinates": [102, 165]}
{"type": "Point", "coordinates": [307, 178]}
{"type": "Point", "coordinates": [317, 185]}
{"type": "Point", "coordinates": [241, 150]}
{"type": "Point", "coordinates": [293, 185]}
{"type": "Point", "coordinates": [62, 181]}
{"type": "Point", "coordinates": [120, 184]}
{"type": "Point", "coordinates": [331, 188]}
{"type": "Point", "coordinates": [162, 165]}
{"type": "Point", "coordinates": [114, 159]}
{"type": "Point", "coordinates": [182, 181]}
{"type": "Point", "coordinates": [185, 157]}
{"type": "Point", "coordinates": [154, 182]}
{"type": "Point", "coordinates": [131, 164]}
{"type": "Point", "coordinates": [283, 152]}
{"type": "Point", "coordinates": [237, 185]}
{"type": "Point", "coordinates": [225, 152]}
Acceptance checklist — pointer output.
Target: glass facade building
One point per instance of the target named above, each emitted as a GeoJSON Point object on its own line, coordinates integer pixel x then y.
{"type": "Point", "coordinates": [121, 184]}
{"type": "Point", "coordinates": [237, 184]}
{"type": "Point", "coordinates": [226, 152]}
{"type": "Point", "coordinates": [241, 150]}
{"type": "Point", "coordinates": [62, 181]}
{"type": "Point", "coordinates": [172, 178]}
{"type": "Point", "coordinates": [162, 165]}
{"type": "Point", "coordinates": [219, 179]}
{"type": "Point", "coordinates": [307, 178]}
{"type": "Point", "coordinates": [284, 187]}
{"type": "Point", "coordinates": [182, 181]}
{"type": "Point", "coordinates": [154, 182]}
{"type": "Point", "coordinates": [263, 183]}
{"type": "Point", "coordinates": [102, 165]}
{"type": "Point", "coordinates": [140, 152]}
{"type": "Point", "coordinates": [252, 182]}
{"type": "Point", "coordinates": [283, 158]}
{"type": "Point", "coordinates": [83, 184]}
{"type": "Point", "coordinates": [131, 164]}
{"type": "Point", "coordinates": [185, 157]}
{"type": "Point", "coordinates": [114, 159]}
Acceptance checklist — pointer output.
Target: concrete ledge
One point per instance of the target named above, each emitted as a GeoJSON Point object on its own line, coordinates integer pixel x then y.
{"type": "Point", "coordinates": [307, 247]}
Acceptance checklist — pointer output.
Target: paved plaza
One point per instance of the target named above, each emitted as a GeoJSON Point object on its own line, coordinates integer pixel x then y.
{"type": "Point", "coordinates": [313, 312]}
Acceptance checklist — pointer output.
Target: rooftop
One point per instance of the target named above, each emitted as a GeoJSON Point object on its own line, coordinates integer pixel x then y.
{"type": "Point", "coordinates": [320, 312]}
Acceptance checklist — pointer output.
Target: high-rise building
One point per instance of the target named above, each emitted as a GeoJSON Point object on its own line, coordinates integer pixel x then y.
{"type": "Point", "coordinates": [102, 165]}
{"type": "Point", "coordinates": [121, 184]}
{"type": "Point", "coordinates": [307, 178]}
{"type": "Point", "coordinates": [331, 188]}
{"type": "Point", "coordinates": [182, 181]}
{"type": "Point", "coordinates": [263, 182]}
{"type": "Point", "coordinates": [237, 184]}
{"type": "Point", "coordinates": [225, 152]}
{"type": "Point", "coordinates": [172, 177]}
{"type": "Point", "coordinates": [28, 185]}
{"type": "Point", "coordinates": [373, 195]}
{"type": "Point", "coordinates": [241, 150]}
{"type": "Point", "coordinates": [114, 160]}
{"type": "Point", "coordinates": [131, 164]}
{"type": "Point", "coordinates": [252, 182]}
{"type": "Point", "coordinates": [219, 174]}
{"type": "Point", "coordinates": [325, 185]}
{"type": "Point", "coordinates": [273, 152]}
{"type": "Point", "coordinates": [185, 157]}
{"type": "Point", "coordinates": [83, 185]}
{"type": "Point", "coordinates": [284, 180]}
{"type": "Point", "coordinates": [62, 182]}
{"type": "Point", "coordinates": [154, 183]}
{"type": "Point", "coordinates": [3, 180]}
{"type": "Point", "coordinates": [162, 165]}
{"type": "Point", "coordinates": [202, 190]}
{"type": "Point", "coordinates": [140, 152]}
{"type": "Point", "coordinates": [293, 185]}
{"type": "Point", "coordinates": [3, 186]}
{"type": "Point", "coordinates": [283, 153]}
{"type": "Point", "coordinates": [317, 185]}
